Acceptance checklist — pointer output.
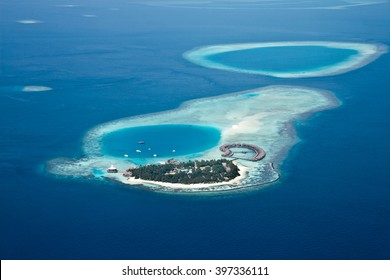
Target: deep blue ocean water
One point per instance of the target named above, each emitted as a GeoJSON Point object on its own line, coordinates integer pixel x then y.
{"type": "Point", "coordinates": [331, 203]}
{"type": "Point", "coordinates": [154, 141]}
{"type": "Point", "coordinates": [283, 59]}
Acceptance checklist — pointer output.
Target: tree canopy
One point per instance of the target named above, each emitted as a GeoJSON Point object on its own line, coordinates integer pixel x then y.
{"type": "Point", "coordinates": [190, 172]}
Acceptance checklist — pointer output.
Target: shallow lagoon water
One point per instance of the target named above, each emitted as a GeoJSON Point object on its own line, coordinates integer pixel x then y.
{"type": "Point", "coordinates": [283, 59]}
{"type": "Point", "coordinates": [160, 141]}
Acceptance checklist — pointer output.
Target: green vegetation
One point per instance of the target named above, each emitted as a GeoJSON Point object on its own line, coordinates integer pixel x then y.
{"type": "Point", "coordinates": [190, 172]}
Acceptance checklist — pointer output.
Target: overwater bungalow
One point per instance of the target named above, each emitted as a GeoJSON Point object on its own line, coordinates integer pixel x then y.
{"type": "Point", "coordinates": [112, 169]}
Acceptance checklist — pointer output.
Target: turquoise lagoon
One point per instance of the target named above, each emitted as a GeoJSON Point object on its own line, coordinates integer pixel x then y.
{"type": "Point", "coordinates": [282, 59]}
{"type": "Point", "coordinates": [154, 141]}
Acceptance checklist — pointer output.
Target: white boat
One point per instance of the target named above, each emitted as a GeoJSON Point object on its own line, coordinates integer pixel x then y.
{"type": "Point", "coordinates": [155, 155]}
{"type": "Point", "coordinates": [138, 151]}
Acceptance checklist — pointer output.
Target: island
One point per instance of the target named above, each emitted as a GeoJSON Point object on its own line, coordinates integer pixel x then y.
{"type": "Point", "coordinates": [242, 126]}
{"type": "Point", "coordinates": [189, 172]}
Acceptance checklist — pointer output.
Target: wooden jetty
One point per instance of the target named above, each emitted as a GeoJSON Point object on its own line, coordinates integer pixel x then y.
{"type": "Point", "coordinates": [227, 152]}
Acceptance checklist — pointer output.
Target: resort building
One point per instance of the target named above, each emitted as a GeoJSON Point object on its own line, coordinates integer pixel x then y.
{"type": "Point", "coordinates": [112, 169]}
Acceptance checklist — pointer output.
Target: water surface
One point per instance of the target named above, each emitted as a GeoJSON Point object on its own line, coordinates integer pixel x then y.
{"type": "Point", "coordinates": [283, 58]}
{"type": "Point", "coordinates": [153, 141]}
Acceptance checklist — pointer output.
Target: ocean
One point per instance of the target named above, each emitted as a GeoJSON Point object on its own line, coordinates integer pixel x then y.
{"type": "Point", "coordinates": [116, 59]}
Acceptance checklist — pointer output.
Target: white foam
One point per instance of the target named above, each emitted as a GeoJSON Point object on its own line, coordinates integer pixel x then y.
{"type": "Point", "coordinates": [29, 21]}
{"type": "Point", "coordinates": [67, 6]}
{"type": "Point", "coordinates": [36, 88]}
{"type": "Point", "coordinates": [366, 53]}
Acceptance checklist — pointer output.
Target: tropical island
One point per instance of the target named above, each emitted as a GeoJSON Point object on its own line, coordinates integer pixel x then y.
{"type": "Point", "coordinates": [263, 117]}
{"type": "Point", "coordinates": [189, 172]}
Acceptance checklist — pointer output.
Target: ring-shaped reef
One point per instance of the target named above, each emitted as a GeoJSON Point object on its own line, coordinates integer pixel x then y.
{"type": "Point", "coordinates": [301, 59]}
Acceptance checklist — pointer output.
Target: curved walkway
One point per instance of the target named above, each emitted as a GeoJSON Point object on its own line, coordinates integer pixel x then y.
{"type": "Point", "coordinates": [226, 152]}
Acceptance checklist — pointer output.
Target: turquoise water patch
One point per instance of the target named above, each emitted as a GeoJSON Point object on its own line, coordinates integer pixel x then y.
{"type": "Point", "coordinates": [282, 58]}
{"type": "Point", "coordinates": [155, 141]}
{"type": "Point", "coordinates": [98, 172]}
{"type": "Point", "coordinates": [249, 95]}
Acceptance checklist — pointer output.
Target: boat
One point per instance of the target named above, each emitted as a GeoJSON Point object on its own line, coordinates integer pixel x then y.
{"type": "Point", "coordinates": [141, 142]}
{"type": "Point", "coordinates": [138, 151]}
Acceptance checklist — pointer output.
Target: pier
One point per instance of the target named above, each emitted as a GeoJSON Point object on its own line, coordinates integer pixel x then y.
{"type": "Point", "coordinates": [227, 152]}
